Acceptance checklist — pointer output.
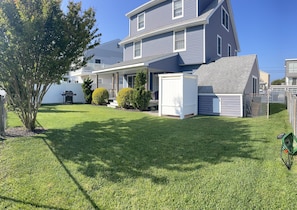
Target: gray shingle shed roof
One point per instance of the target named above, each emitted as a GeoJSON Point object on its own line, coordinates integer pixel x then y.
{"type": "Point", "coordinates": [228, 75]}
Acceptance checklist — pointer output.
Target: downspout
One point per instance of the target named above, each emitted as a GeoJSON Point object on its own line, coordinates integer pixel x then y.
{"type": "Point", "coordinates": [97, 78]}
{"type": "Point", "coordinates": [117, 83]}
{"type": "Point", "coordinates": [148, 79]}
{"type": "Point", "coordinates": [204, 44]}
{"type": "Point", "coordinates": [112, 85]}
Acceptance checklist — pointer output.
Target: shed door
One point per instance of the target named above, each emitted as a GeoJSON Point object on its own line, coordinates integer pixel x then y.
{"type": "Point", "coordinates": [216, 105]}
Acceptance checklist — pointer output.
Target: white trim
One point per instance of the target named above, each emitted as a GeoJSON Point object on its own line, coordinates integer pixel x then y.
{"type": "Point", "coordinates": [197, 8]}
{"type": "Point", "coordinates": [144, 7]}
{"type": "Point", "coordinates": [120, 68]}
{"type": "Point", "coordinates": [140, 46]}
{"type": "Point", "coordinates": [241, 105]}
{"type": "Point", "coordinates": [183, 8]}
{"type": "Point", "coordinates": [222, 16]}
{"type": "Point", "coordinates": [185, 41]}
{"type": "Point", "coordinates": [204, 43]}
{"type": "Point", "coordinates": [139, 29]}
{"type": "Point", "coordinates": [129, 28]}
{"type": "Point", "coordinates": [221, 45]}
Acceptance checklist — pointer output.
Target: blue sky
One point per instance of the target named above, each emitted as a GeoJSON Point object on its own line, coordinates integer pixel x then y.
{"type": "Point", "coordinates": [264, 27]}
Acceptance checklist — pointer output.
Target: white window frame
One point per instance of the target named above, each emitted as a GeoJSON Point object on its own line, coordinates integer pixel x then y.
{"type": "Point", "coordinates": [140, 49]}
{"type": "Point", "coordinates": [174, 41]}
{"type": "Point", "coordinates": [197, 7]}
{"type": "Point", "coordinates": [229, 50]}
{"type": "Point", "coordinates": [173, 9]}
{"type": "Point", "coordinates": [219, 52]}
{"type": "Point", "coordinates": [138, 21]}
{"type": "Point", "coordinates": [225, 16]}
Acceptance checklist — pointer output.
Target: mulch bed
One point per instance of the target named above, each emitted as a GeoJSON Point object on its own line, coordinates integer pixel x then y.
{"type": "Point", "coordinates": [21, 132]}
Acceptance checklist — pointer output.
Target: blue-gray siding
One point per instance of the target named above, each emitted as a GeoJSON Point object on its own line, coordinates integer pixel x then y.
{"type": "Point", "coordinates": [230, 105]}
{"type": "Point", "coordinates": [215, 28]}
{"type": "Point", "coordinates": [163, 44]}
{"type": "Point", "coordinates": [161, 16]}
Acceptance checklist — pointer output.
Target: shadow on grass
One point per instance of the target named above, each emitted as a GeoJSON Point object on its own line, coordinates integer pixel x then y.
{"type": "Point", "coordinates": [275, 108]}
{"type": "Point", "coordinates": [117, 149]}
{"type": "Point", "coordinates": [87, 196]}
{"type": "Point", "coordinates": [52, 108]}
{"type": "Point", "coordinates": [28, 203]}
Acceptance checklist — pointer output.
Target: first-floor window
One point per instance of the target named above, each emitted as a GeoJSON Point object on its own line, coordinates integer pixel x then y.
{"type": "Point", "coordinates": [229, 50]}
{"type": "Point", "coordinates": [179, 40]}
{"type": "Point", "coordinates": [130, 79]}
{"type": "Point", "coordinates": [137, 49]}
{"type": "Point", "coordinates": [255, 84]}
{"type": "Point", "coordinates": [219, 45]}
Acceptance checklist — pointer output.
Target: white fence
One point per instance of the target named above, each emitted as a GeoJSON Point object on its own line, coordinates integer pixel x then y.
{"type": "Point", "coordinates": [55, 94]}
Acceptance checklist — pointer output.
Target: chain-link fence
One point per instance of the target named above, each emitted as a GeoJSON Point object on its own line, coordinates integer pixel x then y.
{"type": "Point", "coordinates": [2, 116]}
{"type": "Point", "coordinates": [258, 104]}
{"type": "Point", "coordinates": [292, 109]}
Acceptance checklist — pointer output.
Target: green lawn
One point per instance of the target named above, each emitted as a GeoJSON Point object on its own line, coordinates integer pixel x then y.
{"type": "Point", "coordinates": [93, 157]}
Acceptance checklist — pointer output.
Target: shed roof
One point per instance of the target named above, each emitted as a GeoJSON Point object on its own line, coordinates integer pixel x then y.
{"type": "Point", "coordinates": [227, 75]}
{"type": "Point", "coordinates": [135, 63]}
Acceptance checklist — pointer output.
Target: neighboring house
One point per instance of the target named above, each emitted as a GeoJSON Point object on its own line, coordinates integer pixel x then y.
{"type": "Point", "coordinates": [291, 71]}
{"type": "Point", "coordinates": [264, 81]}
{"type": "Point", "coordinates": [167, 36]}
{"type": "Point", "coordinates": [105, 55]}
{"type": "Point", "coordinates": [225, 86]}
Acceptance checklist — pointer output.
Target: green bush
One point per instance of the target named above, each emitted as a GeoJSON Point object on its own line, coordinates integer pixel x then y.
{"type": "Point", "coordinates": [124, 97]}
{"type": "Point", "coordinates": [141, 97]}
{"type": "Point", "coordinates": [87, 89]}
{"type": "Point", "coordinates": [100, 96]}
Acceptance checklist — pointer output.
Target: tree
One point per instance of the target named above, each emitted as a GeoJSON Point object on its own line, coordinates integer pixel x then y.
{"type": "Point", "coordinates": [87, 89]}
{"type": "Point", "coordinates": [141, 97]}
{"type": "Point", "coordinates": [278, 81]}
{"type": "Point", "coordinates": [39, 43]}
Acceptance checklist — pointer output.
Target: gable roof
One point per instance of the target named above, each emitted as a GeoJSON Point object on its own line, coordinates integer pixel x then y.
{"type": "Point", "coordinates": [227, 75]}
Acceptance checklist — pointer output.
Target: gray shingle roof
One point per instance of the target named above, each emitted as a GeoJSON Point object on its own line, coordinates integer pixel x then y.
{"type": "Point", "coordinates": [139, 62]}
{"type": "Point", "coordinates": [228, 75]}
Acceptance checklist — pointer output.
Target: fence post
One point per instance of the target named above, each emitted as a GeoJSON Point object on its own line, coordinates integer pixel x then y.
{"type": "Point", "coordinates": [268, 102]}
{"type": "Point", "coordinates": [294, 114]}
{"type": "Point", "coordinates": [2, 116]}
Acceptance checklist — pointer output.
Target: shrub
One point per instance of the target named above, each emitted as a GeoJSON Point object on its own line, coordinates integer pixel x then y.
{"type": "Point", "coordinates": [124, 97]}
{"type": "Point", "coordinates": [141, 97]}
{"type": "Point", "coordinates": [87, 89]}
{"type": "Point", "coordinates": [100, 96]}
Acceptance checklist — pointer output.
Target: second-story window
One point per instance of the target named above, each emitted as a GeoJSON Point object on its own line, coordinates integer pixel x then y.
{"type": "Point", "coordinates": [137, 49]}
{"type": "Point", "coordinates": [219, 45]}
{"type": "Point", "coordinates": [177, 8]}
{"type": "Point", "coordinates": [292, 67]}
{"type": "Point", "coordinates": [225, 19]}
{"type": "Point", "coordinates": [179, 40]}
{"type": "Point", "coordinates": [140, 21]}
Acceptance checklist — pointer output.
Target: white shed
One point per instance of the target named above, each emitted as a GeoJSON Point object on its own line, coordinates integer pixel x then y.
{"type": "Point", "coordinates": [178, 94]}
